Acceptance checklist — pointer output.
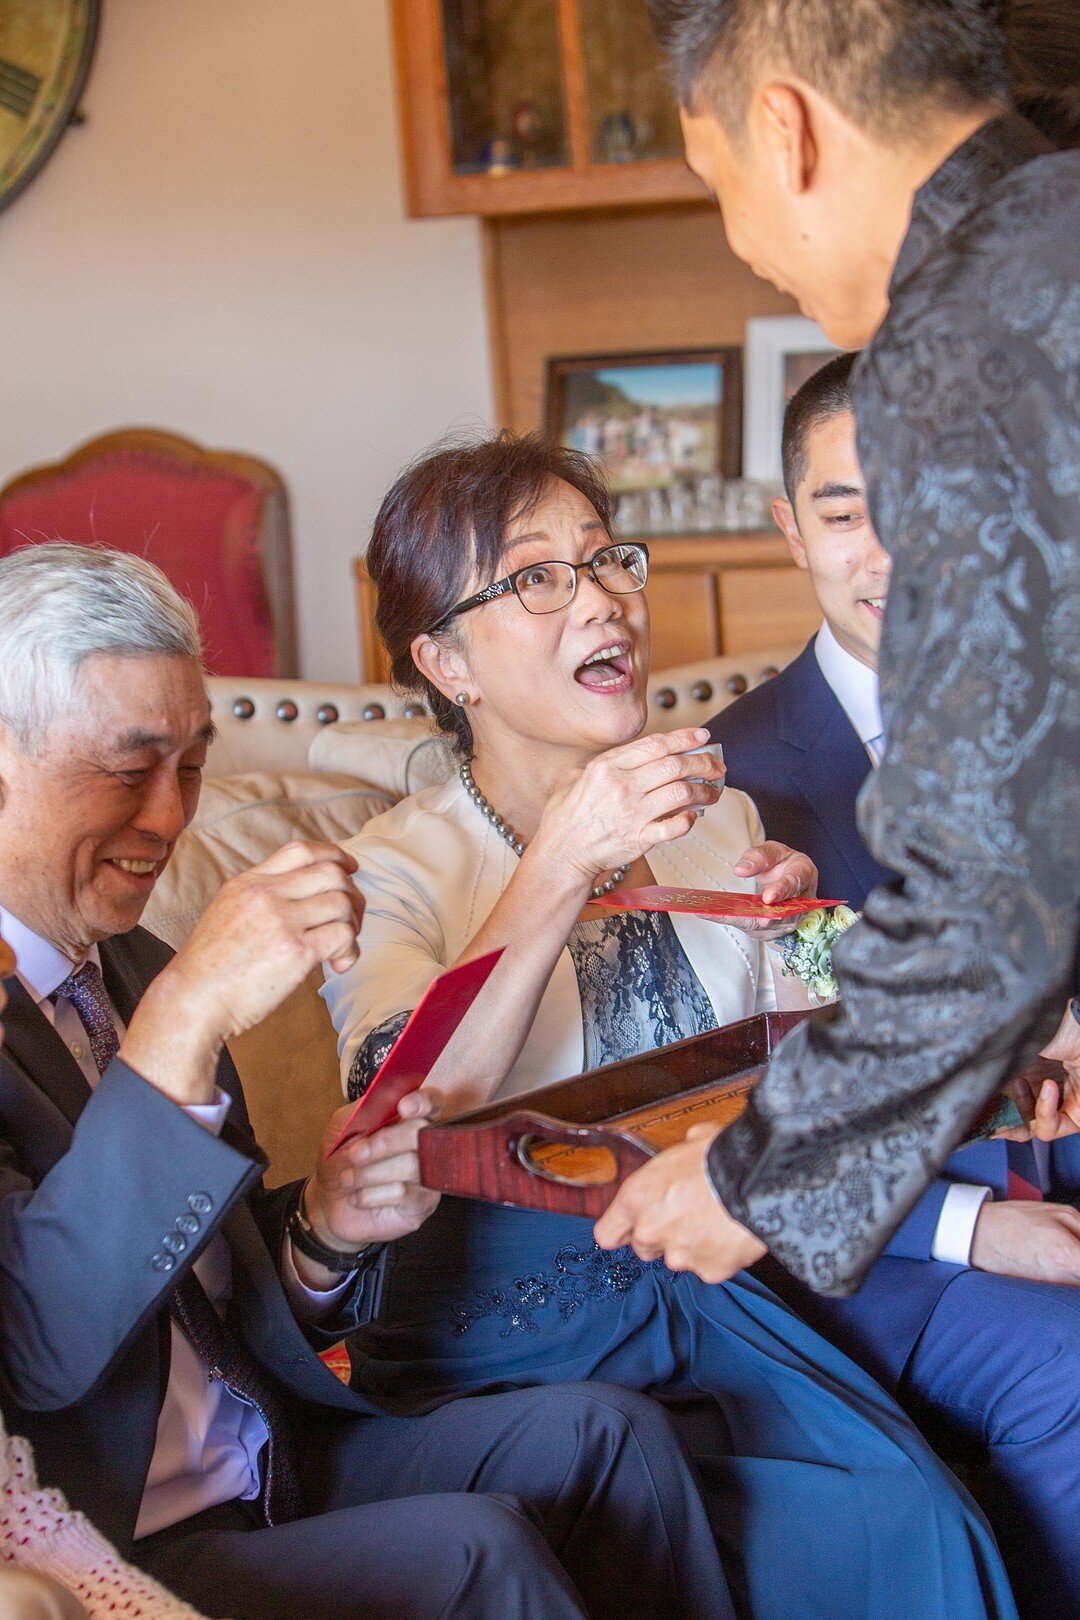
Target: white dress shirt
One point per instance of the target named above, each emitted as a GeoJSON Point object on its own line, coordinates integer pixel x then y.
{"type": "Point", "coordinates": [208, 1440]}
{"type": "Point", "coordinates": [855, 687]}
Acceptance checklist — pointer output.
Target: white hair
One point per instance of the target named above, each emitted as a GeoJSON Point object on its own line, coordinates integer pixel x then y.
{"type": "Point", "coordinates": [60, 604]}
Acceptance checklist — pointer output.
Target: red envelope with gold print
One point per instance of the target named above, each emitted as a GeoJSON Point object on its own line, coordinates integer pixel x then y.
{"type": "Point", "coordinates": [709, 903]}
{"type": "Point", "coordinates": [413, 1055]}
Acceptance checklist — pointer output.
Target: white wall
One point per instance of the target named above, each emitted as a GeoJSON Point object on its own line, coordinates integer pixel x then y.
{"type": "Point", "coordinates": [222, 250]}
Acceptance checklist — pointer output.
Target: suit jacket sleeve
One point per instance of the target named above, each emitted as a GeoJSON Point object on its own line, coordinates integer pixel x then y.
{"type": "Point", "coordinates": [956, 977]}
{"type": "Point", "coordinates": [84, 1256]}
{"type": "Point", "coordinates": [271, 1208]}
{"type": "Point", "coordinates": [914, 1238]}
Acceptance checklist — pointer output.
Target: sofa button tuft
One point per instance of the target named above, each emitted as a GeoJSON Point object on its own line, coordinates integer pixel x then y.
{"type": "Point", "coordinates": [243, 708]}
{"type": "Point", "coordinates": [414, 711]}
{"type": "Point", "coordinates": [769, 672]}
{"type": "Point", "coordinates": [286, 710]}
{"type": "Point", "coordinates": [665, 698]}
{"type": "Point", "coordinates": [326, 714]}
{"type": "Point", "coordinates": [702, 691]}
{"type": "Point", "coordinates": [374, 711]}
{"type": "Point", "coordinates": [736, 684]}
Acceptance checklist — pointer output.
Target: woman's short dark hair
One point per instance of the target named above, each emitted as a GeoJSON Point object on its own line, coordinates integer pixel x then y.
{"type": "Point", "coordinates": [445, 520]}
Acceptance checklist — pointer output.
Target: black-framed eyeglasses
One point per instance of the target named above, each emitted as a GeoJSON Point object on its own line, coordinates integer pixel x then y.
{"type": "Point", "coordinates": [545, 587]}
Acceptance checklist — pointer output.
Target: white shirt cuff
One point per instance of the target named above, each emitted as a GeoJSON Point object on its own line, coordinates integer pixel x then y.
{"type": "Point", "coordinates": [308, 1303]}
{"type": "Point", "coordinates": [211, 1115]}
{"type": "Point", "coordinates": [955, 1230]}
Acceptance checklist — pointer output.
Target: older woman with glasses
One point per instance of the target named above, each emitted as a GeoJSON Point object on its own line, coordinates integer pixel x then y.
{"type": "Point", "coordinates": [505, 601]}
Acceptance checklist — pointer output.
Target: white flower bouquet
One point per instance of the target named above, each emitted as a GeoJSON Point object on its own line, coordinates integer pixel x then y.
{"type": "Point", "coordinates": [806, 953]}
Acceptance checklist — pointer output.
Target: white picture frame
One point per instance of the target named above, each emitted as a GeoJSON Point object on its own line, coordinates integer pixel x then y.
{"type": "Point", "coordinates": [772, 343]}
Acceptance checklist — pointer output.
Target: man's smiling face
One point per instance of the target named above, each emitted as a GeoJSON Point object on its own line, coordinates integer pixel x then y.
{"type": "Point", "coordinates": [831, 536]}
{"type": "Point", "coordinates": [88, 822]}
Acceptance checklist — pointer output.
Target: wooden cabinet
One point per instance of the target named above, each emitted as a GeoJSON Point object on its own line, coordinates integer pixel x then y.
{"type": "Point", "coordinates": [526, 106]}
{"type": "Point", "coordinates": [732, 593]}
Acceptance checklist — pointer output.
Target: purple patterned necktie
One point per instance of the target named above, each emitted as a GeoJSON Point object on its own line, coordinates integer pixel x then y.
{"type": "Point", "coordinates": [224, 1354]}
{"type": "Point", "coordinates": [85, 989]}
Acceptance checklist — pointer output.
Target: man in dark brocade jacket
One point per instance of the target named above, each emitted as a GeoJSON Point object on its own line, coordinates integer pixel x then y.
{"type": "Point", "coordinates": [972, 1314]}
{"type": "Point", "coordinates": [865, 158]}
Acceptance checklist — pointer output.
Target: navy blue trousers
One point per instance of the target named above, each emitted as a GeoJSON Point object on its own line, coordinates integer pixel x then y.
{"type": "Point", "coordinates": [997, 1370]}
{"type": "Point", "coordinates": [543, 1504]}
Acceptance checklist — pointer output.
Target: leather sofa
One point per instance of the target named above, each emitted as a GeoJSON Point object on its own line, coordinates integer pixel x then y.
{"type": "Point", "coordinates": [300, 759]}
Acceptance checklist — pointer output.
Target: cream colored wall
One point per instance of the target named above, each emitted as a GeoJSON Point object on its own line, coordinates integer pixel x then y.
{"type": "Point", "coordinates": [221, 250]}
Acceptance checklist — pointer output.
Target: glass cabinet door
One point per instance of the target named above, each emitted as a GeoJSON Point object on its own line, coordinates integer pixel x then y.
{"type": "Point", "coordinates": [504, 75]}
{"type": "Point", "coordinates": [633, 114]}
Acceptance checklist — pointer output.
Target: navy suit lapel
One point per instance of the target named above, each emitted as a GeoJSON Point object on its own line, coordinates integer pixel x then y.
{"type": "Point", "coordinates": [835, 763]}
{"type": "Point", "coordinates": [35, 1045]}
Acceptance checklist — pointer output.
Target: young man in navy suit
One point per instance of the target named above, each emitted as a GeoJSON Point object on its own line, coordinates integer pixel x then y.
{"type": "Point", "coordinates": [160, 1309]}
{"type": "Point", "coordinates": [972, 1314]}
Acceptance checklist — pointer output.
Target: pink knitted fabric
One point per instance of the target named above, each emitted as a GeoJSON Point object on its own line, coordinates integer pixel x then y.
{"type": "Point", "coordinates": [39, 1532]}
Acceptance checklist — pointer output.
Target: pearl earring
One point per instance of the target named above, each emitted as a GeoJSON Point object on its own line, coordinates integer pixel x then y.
{"type": "Point", "coordinates": [462, 700]}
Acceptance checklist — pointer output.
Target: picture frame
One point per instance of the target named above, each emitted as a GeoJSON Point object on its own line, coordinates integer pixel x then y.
{"type": "Point", "coordinates": [665, 425]}
{"type": "Point", "coordinates": [782, 351]}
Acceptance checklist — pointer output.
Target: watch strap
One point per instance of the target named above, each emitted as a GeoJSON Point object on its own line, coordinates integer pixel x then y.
{"type": "Point", "coordinates": [302, 1236]}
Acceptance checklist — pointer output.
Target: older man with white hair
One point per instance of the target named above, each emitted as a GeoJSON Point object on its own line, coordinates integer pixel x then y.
{"type": "Point", "coordinates": [159, 1309]}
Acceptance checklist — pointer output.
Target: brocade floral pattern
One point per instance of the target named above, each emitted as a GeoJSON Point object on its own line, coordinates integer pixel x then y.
{"type": "Point", "coordinates": [968, 414]}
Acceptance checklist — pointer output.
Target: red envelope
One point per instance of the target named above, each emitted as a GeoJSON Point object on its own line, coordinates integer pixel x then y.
{"type": "Point", "coordinates": [412, 1057]}
{"type": "Point", "coordinates": [709, 903]}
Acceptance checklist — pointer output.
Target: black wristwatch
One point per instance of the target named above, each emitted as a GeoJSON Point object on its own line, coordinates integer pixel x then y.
{"type": "Point", "coordinates": [301, 1235]}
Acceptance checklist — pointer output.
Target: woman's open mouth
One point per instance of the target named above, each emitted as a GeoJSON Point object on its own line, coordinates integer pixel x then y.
{"type": "Point", "coordinates": [608, 670]}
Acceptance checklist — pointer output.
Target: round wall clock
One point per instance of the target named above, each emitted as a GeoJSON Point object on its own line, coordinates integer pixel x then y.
{"type": "Point", "coordinates": [45, 51]}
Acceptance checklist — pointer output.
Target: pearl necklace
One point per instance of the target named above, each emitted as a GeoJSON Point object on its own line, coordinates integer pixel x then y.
{"type": "Point", "coordinates": [517, 844]}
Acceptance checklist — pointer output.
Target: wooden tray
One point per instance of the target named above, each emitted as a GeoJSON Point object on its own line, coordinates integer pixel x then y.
{"type": "Point", "coordinates": [568, 1146]}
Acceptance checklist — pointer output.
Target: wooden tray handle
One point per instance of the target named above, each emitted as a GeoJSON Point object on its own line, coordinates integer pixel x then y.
{"type": "Point", "coordinates": [527, 1131]}
{"type": "Point", "coordinates": [497, 1162]}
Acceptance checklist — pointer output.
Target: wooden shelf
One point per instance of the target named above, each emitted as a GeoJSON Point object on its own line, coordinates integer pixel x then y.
{"type": "Point", "coordinates": [433, 185]}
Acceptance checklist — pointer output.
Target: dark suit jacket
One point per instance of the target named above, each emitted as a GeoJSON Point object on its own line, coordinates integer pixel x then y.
{"type": "Point", "coordinates": [90, 1184]}
{"type": "Point", "coordinates": [791, 747]}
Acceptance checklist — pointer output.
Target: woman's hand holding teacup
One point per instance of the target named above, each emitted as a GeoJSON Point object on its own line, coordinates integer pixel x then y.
{"type": "Point", "coordinates": [629, 799]}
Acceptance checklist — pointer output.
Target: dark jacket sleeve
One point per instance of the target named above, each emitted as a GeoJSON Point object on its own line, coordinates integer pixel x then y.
{"type": "Point", "coordinates": [87, 1255]}
{"type": "Point", "coordinates": [272, 1207]}
{"type": "Point", "coordinates": [956, 976]}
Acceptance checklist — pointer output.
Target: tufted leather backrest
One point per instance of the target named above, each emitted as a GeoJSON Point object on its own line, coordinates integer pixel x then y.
{"type": "Point", "coordinates": [269, 725]}
{"type": "Point", "coordinates": [216, 522]}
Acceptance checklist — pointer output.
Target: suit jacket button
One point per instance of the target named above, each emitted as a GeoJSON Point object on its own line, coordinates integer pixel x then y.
{"type": "Point", "coordinates": [174, 1243]}
{"type": "Point", "coordinates": [163, 1262]}
{"type": "Point", "coordinates": [200, 1203]}
{"type": "Point", "coordinates": [187, 1223]}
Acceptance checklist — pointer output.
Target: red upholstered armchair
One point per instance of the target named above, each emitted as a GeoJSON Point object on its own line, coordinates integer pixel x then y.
{"type": "Point", "coordinates": [216, 522]}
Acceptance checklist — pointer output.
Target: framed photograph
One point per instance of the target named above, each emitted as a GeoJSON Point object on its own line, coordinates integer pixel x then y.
{"type": "Point", "coordinates": [662, 425]}
{"type": "Point", "coordinates": [782, 351]}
